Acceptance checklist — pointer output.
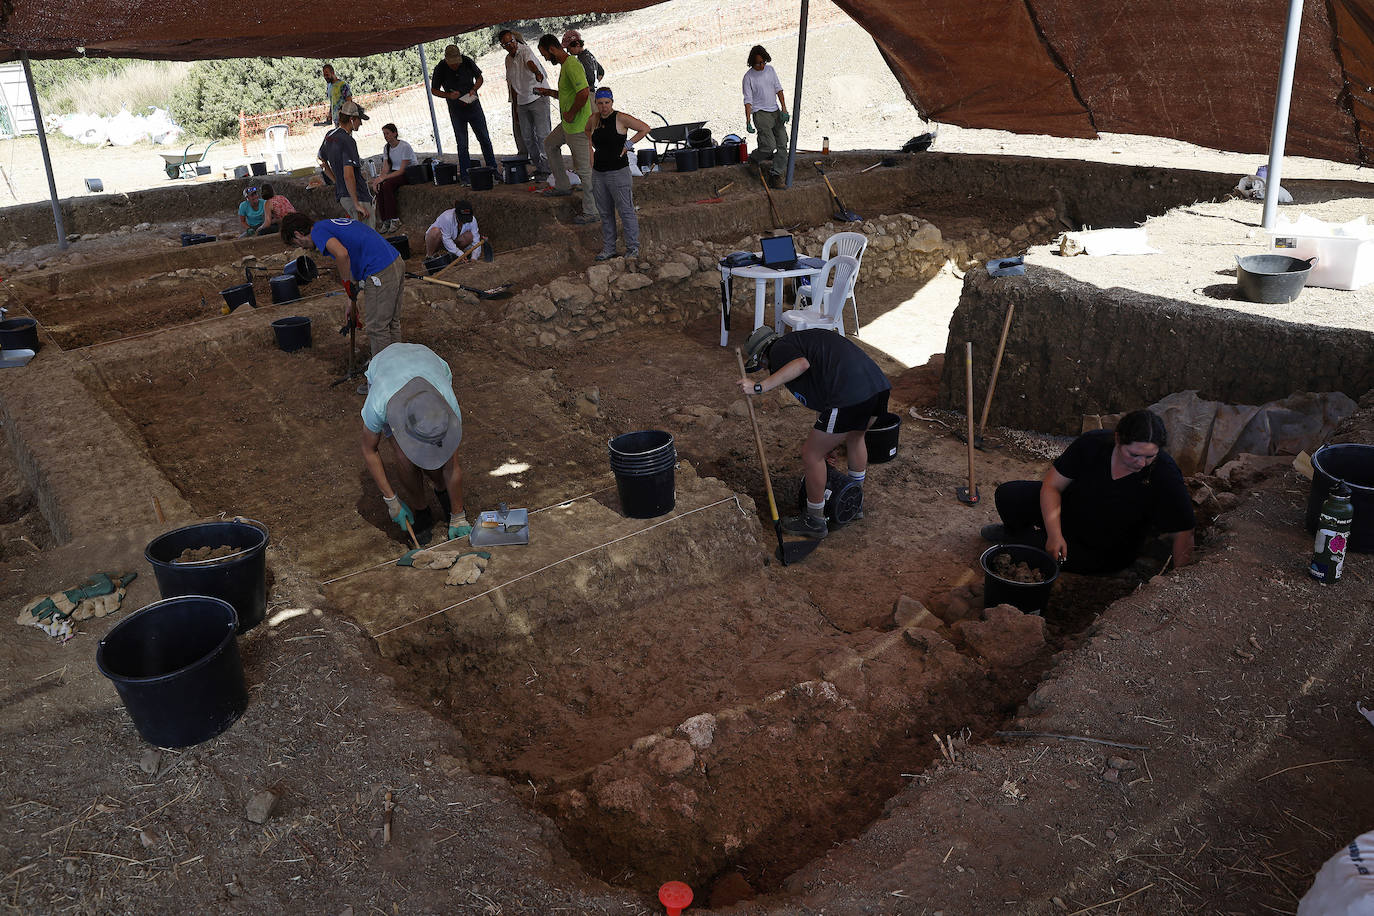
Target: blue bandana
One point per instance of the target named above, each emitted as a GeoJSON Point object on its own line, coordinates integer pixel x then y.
{"type": "Point", "coordinates": [604, 94]}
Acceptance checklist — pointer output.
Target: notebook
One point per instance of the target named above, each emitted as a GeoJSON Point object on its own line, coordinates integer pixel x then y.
{"type": "Point", "coordinates": [779, 252]}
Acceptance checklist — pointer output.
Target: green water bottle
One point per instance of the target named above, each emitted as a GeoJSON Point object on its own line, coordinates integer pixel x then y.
{"type": "Point", "coordinates": [1333, 531]}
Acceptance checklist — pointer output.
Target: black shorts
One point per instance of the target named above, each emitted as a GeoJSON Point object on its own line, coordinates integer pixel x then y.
{"type": "Point", "coordinates": [840, 420]}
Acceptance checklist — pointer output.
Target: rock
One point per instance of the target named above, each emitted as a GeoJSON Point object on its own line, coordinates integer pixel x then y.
{"type": "Point", "coordinates": [143, 227]}
{"type": "Point", "coordinates": [599, 277]}
{"type": "Point", "coordinates": [260, 807]}
{"type": "Point", "coordinates": [627, 282]}
{"type": "Point", "coordinates": [786, 398]}
{"type": "Point", "coordinates": [547, 339]}
{"type": "Point", "coordinates": [707, 263]}
{"type": "Point", "coordinates": [908, 612]}
{"type": "Point", "coordinates": [152, 760]}
{"type": "Point", "coordinates": [1007, 638]}
{"type": "Point", "coordinates": [700, 730]}
{"type": "Point", "coordinates": [542, 307]}
{"type": "Point", "coordinates": [884, 243]}
{"type": "Point", "coordinates": [593, 394]}
{"type": "Point", "coordinates": [927, 238]}
{"type": "Point", "coordinates": [1121, 763]}
{"type": "Point", "coordinates": [147, 839]}
{"type": "Point", "coordinates": [674, 271]}
{"type": "Point", "coordinates": [672, 757]}
{"type": "Point", "coordinates": [1019, 234]}
{"type": "Point", "coordinates": [1110, 775]}
{"type": "Point", "coordinates": [585, 407]}
{"type": "Point", "coordinates": [573, 296]}
{"type": "Point", "coordinates": [738, 409]}
{"type": "Point", "coordinates": [955, 609]}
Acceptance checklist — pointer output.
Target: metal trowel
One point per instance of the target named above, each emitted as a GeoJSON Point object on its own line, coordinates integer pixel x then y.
{"type": "Point", "coordinates": [501, 527]}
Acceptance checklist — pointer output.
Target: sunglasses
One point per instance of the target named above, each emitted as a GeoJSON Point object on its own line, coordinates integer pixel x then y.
{"type": "Point", "coordinates": [247, 191]}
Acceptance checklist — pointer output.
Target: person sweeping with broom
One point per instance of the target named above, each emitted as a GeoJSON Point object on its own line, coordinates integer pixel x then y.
{"type": "Point", "coordinates": [830, 374]}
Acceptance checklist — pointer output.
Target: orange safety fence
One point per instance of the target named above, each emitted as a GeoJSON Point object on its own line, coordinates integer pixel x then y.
{"type": "Point", "coordinates": [255, 124]}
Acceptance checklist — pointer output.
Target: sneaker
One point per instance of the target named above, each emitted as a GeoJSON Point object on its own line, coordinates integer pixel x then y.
{"type": "Point", "coordinates": [631, 252]}
{"type": "Point", "coordinates": [583, 219]}
{"type": "Point", "coordinates": [997, 534]}
{"type": "Point", "coordinates": [605, 255]}
{"type": "Point", "coordinates": [556, 192]}
{"type": "Point", "coordinates": [806, 525]}
{"type": "Point", "coordinates": [362, 389]}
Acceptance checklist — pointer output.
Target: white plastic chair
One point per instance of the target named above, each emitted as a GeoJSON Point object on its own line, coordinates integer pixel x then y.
{"type": "Point", "coordinates": [853, 244]}
{"type": "Point", "coordinates": [830, 287]}
{"type": "Point", "coordinates": [276, 144]}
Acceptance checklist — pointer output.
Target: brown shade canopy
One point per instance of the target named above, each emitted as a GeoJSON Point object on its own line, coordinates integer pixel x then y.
{"type": "Point", "coordinates": [1203, 71]}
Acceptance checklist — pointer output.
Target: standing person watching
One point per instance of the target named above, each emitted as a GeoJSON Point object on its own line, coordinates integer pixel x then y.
{"type": "Point", "coordinates": [766, 108]}
{"type": "Point", "coordinates": [457, 79]}
{"type": "Point", "coordinates": [276, 206]}
{"type": "Point", "coordinates": [574, 107]}
{"type": "Point", "coordinates": [368, 266]}
{"type": "Point", "coordinates": [574, 45]}
{"type": "Point", "coordinates": [608, 133]}
{"type": "Point", "coordinates": [397, 155]}
{"type": "Point", "coordinates": [529, 110]}
{"type": "Point", "coordinates": [830, 374]}
{"type": "Point", "coordinates": [1099, 499]}
{"type": "Point", "coordinates": [410, 401]}
{"type": "Point", "coordinates": [343, 164]}
{"type": "Point", "coordinates": [336, 92]}
{"type": "Point", "coordinates": [251, 211]}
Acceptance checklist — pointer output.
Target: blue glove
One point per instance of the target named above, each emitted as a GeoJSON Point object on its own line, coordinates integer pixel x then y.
{"type": "Point", "coordinates": [783, 117]}
{"type": "Point", "coordinates": [749, 126]}
{"type": "Point", "coordinates": [400, 513]}
{"type": "Point", "coordinates": [458, 527]}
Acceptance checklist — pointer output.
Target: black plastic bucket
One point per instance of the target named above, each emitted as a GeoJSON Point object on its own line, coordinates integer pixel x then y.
{"type": "Point", "coordinates": [402, 244]}
{"type": "Point", "coordinates": [445, 173]}
{"type": "Point", "coordinates": [686, 160]}
{"type": "Point", "coordinates": [1027, 597]}
{"type": "Point", "coordinates": [437, 262]}
{"type": "Point", "coordinates": [644, 463]}
{"type": "Point", "coordinates": [844, 497]}
{"type": "Point", "coordinates": [293, 333]}
{"type": "Point", "coordinates": [176, 666]}
{"type": "Point", "coordinates": [285, 289]}
{"type": "Point", "coordinates": [257, 168]}
{"type": "Point", "coordinates": [706, 157]}
{"type": "Point", "coordinates": [516, 171]}
{"type": "Point", "coordinates": [881, 438]}
{"type": "Point", "coordinates": [303, 268]}
{"type": "Point", "coordinates": [727, 154]}
{"type": "Point", "coordinates": [482, 178]}
{"type": "Point", "coordinates": [700, 138]}
{"type": "Point", "coordinates": [1272, 279]}
{"type": "Point", "coordinates": [240, 579]}
{"type": "Point", "coordinates": [19, 334]}
{"type": "Point", "coordinates": [415, 174]}
{"type": "Point", "coordinates": [195, 238]}
{"type": "Point", "coordinates": [1354, 464]}
{"type": "Point", "coordinates": [242, 294]}
{"type": "Point", "coordinates": [645, 159]}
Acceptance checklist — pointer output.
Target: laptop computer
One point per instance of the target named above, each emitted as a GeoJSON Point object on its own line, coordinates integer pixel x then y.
{"type": "Point", "coordinates": [779, 252]}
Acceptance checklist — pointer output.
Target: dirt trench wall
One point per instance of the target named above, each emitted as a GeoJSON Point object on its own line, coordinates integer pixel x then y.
{"type": "Point", "coordinates": [1075, 349]}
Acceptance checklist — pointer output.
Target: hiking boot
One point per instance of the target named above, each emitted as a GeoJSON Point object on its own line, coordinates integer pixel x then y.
{"type": "Point", "coordinates": [583, 219]}
{"type": "Point", "coordinates": [631, 252]}
{"type": "Point", "coordinates": [806, 525]}
{"type": "Point", "coordinates": [777, 182]}
{"type": "Point", "coordinates": [556, 192]}
{"type": "Point", "coordinates": [605, 255]}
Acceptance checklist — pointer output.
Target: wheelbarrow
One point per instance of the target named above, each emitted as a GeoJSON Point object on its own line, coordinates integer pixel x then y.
{"type": "Point", "coordinates": [672, 136]}
{"type": "Point", "coordinates": [183, 165]}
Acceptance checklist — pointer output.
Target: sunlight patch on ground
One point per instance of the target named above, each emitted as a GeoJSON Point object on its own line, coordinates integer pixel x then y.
{"type": "Point", "coordinates": [916, 329]}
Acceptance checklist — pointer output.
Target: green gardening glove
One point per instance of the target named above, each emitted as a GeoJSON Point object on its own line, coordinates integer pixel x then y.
{"type": "Point", "coordinates": [458, 526]}
{"type": "Point", "coordinates": [749, 126]}
{"type": "Point", "coordinates": [783, 117]}
{"type": "Point", "coordinates": [400, 513]}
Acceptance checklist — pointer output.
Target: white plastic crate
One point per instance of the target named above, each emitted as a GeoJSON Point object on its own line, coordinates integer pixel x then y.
{"type": "Point", "coordinates": [1344, 252]}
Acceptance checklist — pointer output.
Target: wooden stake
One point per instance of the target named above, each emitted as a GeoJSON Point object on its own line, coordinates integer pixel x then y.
{"type": "Point", "coordinates": [996, 365]}
{"type": "Point", "coordinates": [157, 510]}
{"type": "Point", "coordinates": [388, 807]}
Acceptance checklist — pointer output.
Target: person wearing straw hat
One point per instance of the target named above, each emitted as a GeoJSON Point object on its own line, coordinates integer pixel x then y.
{"type": "Point", "coordinates": [410, 403]}
{"type": "Point", "coordinates": [829, 373]}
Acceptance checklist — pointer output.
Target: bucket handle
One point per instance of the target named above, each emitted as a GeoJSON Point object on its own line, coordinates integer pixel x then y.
{"type": "Point", "coordinates": [252, 523]}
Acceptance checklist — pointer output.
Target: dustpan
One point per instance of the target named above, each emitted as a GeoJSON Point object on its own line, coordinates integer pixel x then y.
{"type": "Point", "coordinates": [501, 527]}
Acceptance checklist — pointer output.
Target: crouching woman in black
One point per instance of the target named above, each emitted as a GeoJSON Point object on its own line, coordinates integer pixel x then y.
{"type": "Point", "coordinates": [1097, 502]}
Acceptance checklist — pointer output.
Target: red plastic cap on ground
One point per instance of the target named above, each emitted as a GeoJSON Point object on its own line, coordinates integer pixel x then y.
{"type": "Point", "coordinates": [675, 897]}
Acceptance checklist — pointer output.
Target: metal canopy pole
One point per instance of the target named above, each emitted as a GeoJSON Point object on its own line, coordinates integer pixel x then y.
{"type": "Point", "coordinates": [47, 159]}
{"type": "Point", "coordinates": [797, 92]}
{"type": "Point", "coordinates": [1279, 134]}
{"type": "Point", "coordinates": [429, 97]}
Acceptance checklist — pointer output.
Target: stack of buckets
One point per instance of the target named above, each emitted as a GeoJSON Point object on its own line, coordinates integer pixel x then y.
{"type": "Point", "coordinates": [644, 464]}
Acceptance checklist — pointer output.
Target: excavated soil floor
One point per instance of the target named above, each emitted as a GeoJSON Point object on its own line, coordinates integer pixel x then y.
{"type": "Point", "coordinates": [625, 702]}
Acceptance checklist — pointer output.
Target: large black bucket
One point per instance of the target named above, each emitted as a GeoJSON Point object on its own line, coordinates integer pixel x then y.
{"type": "Point", "coordinates": [293, 333]}
{"type": "Point", "coordinates": [402, 244]}
{"type": "Point", "coordinates": [445, 173]}
{"type": "Point", "coordinates": [482, 177]}
{"type": "Point", "coordinates": [686, 160]}
{"type": "Point", "coordinates": [437, 262]}
{"type": "Point", "coordinates": [881, 438]}
{"type": "Point", "coordinates": [303, 268]}
{"type": "Point", "coordinates": [644, 463]}
{"type": "Point", "coordinates": [644, 158]}
{"type": "Point", "coordinates": [1027, 597]}
{"type": "Point", "coordinates": [515, 171]}
{"type": "Point", "coordinates": [415, 174]}
{"type": "Point", "coordinates": [285, 289]}
{"type": "Point", "coordinates": [1354, 464]}
{"type": "Point", "coordinates": [240, 579]}
{"type": "Point", "coordinates": [242, 294]}
{"type": "Point", "coordinates": [176, 666]}
{"type": "Point", "coordinates": [1271, 279]}
{"type": "Point", "coordinates": [19, 334]}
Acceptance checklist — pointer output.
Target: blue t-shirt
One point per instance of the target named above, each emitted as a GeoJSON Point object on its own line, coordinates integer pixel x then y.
{"type": "Point", "coordinates": [392, 368]}
{"type": "Point", "coordinates": [252, 216]}
{"type": "Point", "coordinates": [368, 252]}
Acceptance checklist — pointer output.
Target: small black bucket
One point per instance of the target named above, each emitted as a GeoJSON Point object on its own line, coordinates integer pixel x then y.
{"type": "Point", "coordinates": [402, 244]}
{"type": "Point", "coordinates": [293, 333]}
{"type": "Point", "coordinates": [644, 464]}
{"type": "Point", "coordinates": [415, 174]}
{"type": "Point", "coordinates": [482, 177]}
{"type": "Point", "coordinates": [700, 138]}
{"type": "Point", "coordinates": [285, 289]}
{"type": "Point", "coordinates": [1354, 464]}
{"type": "Point", "coordinates": [1026, 597]}
{"type": "Point", "coordinates": [706, 157]}
{"type": "Point", "coordinates": [686, 160]}
{"type": "Point", "coordinates": [516, 171]}
{"type": "Point", "coordinates": [1272, 279]}
{"type": "Point", "coordinates": [437, 262]}
{"type": "Point", "coordinates": [303, 269]}
{"type": "Point", "coordinates": [645, 159]}
{"type": "Point", "coordinates": [240, 578]}
{"type": "Point", "coordinates": [445, 173]}
{"type": "Point", "coordinates": [257, 168]}
{"type": "Point", "coordinates": [881, 438]}
{"type": "Point", "coordinates": [727, 154]}
{"type": "Point", "coordinates": [176, 666]}
{"type": "Point", "coordinates": [242, 294]}
{"type": "Point", "coordinates": [19, 334]}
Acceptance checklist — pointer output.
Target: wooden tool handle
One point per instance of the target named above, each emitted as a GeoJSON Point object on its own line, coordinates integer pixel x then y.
{"type": "Point", "coordinates": [411, 531]}
{"type": "Point", "coordinates": [996, 366]}
{"type": "Point", "coordinates": [968, 388]}
{"type": "Point", "coordinates": [758, 439]}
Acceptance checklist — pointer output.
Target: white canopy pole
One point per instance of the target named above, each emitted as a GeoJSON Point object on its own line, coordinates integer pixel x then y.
{"type": "Point", "coordinates": [429, 97]}
{"type": "Point", "coordinates": [47, 159]}
{"type": "Point", "coordinates": [1279, 134]}
{"type": "Point", "coordinates": [796, 94]}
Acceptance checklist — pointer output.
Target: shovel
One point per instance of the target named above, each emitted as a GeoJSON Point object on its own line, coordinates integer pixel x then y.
{"type": "Point", "coordinates": [789, 552]}
{"type": "Point", "coordinates": [352, 328]}
{"type": "Point", "coordinates": [842, 213]}
{"type": "Point", "coordinates": [496, 292]}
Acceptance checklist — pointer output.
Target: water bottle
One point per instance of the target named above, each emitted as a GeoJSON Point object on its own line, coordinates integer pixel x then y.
{"type": "Point", "coordinates": [1333, 531]}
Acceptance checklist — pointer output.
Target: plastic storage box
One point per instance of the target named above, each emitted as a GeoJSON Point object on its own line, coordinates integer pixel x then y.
{"type": "Point", "coordinates": [1344, 252]}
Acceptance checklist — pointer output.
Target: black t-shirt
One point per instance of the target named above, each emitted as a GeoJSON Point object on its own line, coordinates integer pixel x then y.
{"type": "Point", "coordinates": [841, 374]}
{"type": "Point", "coordinates": [1109, 518]}
{"type": "Point", "coordinates": [338, 150]}
{"type": "Point", "coordinates": [461, 80]}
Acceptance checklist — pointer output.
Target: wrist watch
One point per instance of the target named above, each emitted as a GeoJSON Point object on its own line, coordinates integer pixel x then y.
{"type": "Point", "coordinates": [758, 388]}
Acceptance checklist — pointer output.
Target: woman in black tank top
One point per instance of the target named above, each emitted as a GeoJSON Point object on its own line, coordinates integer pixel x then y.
{"type": "Point", "coordinates": [608, 132]}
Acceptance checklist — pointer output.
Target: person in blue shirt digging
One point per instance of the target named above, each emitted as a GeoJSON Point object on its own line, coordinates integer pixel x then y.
{"type": "Point", "coordinates": [410, 402]}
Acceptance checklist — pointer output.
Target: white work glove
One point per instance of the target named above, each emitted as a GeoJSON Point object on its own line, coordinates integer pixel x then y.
{"type": "Point", "coordinates": [433, 559]}
{"type": "Point", "coordinates": [467, 570]}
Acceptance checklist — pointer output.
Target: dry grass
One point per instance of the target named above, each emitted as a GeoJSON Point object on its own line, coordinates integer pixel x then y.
{"type": "Point", "coordinates": [136, 87]}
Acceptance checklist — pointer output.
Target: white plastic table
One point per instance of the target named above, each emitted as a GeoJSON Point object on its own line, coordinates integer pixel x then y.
{"type": "Point", "coordinates": [761, 275]}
